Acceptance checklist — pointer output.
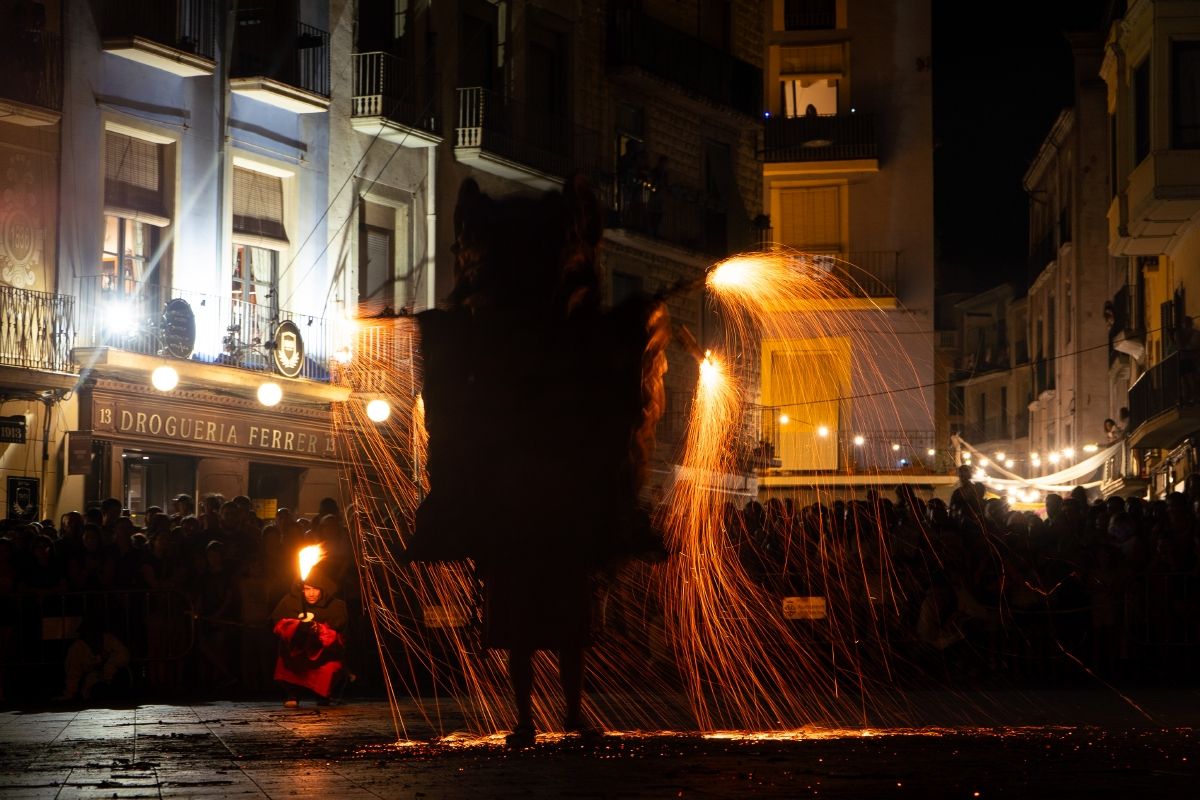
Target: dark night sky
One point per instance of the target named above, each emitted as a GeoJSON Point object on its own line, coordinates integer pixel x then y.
{"type": "Point", "coordinates": [1001, 74]}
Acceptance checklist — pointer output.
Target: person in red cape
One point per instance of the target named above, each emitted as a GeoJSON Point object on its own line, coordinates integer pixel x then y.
{"type": "Point", "coordinates": [309, 622]}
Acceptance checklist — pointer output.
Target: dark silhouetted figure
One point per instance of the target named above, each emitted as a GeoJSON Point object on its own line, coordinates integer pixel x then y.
{"type": "Point", "coordinates": [525, 375]}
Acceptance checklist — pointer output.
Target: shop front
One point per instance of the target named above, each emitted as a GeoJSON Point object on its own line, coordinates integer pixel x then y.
{"type": "Point", "coordinates": [147, 447]}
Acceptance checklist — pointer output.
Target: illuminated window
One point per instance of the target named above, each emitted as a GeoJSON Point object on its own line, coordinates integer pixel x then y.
{"type": "Point", "coordinates": [135, 206]}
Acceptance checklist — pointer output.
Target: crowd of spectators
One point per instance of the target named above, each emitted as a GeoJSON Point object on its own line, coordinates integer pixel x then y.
{"type": "Point", "coordinates": [1086, 588]}
{"type": "Point", "coordinates": [181, 605]}
{"type": "Point", "coordinates": [188, 593]}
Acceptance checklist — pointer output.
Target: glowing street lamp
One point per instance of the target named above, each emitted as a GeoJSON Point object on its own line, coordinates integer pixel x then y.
{"type": "Point", "coordinates": [164, 378]}
{"type": "Point", "coordinates": [378, 410]}
{"type": "Point", "coordinates": [269, 394]}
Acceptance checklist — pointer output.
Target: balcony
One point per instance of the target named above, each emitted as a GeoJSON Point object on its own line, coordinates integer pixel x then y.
{"type": "Point", "coordinates": [1159, 416]}
{"type": "Point", "coordinates": [1123, 473]}
{"type": "Point", "coordinates": [176, 36]}
{"type": "Point", "coordinates": [679, 215]}
{"type": "Point", "coordinates": [1159, 201]}
{"type": "Point", "coordinates": [37, 330]}
{"type": "Point", "coordinates": [809, 15]}
{"type": "Point", "coordinates": [637, 42]}
{"type": "Point", "coordinates": [1043, 376]}
{"type": "Point", "coordinates": [1043, 253]}
{"type": "Point", "coordinates": [996, 429]}
{"type": "Point", "coordinates": [507, 138]}
{"type": "Point", "coordinates": [133, 318]}
{"type": "Point", "coordinates": [31, 91]}
{"type": "Point", "coordinates": [828, 138]}
{"type": "Point", "coordinates": [389, 102]}
{"type": "Point", "coordinates": [1126, 333]}
{"type": "Point", "coordinates": [791, 446]}
{"type": "Point", "coordinates": [862, 273]}
{"type": "Point", "coordinates": [290, 72]}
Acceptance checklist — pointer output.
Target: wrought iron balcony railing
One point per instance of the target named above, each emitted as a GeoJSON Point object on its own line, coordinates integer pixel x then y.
{"type": "Point", "coordinates": [548, 143]}
{"type": "Point", "coordinates": [300, 60]}
{"type": "Point", "coordinates": [1156, 391]}
{"type": "Point", "coordinates": [832, 137]}
{"type": "Point", "coordinates": [640, 41]}
{"type": "Point", "coordinates": [677, 214]}
{"type": "Point", "coordinates": [863, 273]}
{"type": "Point", "coordinates": [809, 15]}
{"type": "Point", "coordinates": [189, 26]}
{"type": "Point", "coordinates": [129, 315]}
{"type": "Point", "coordinates": [31, 63]}
{"type": "Point", "coordinates": [37, 329]}
{"type": "Point", "coordinates": [782, 442]}
{"type": "Point", "coordinates": [388, 86]}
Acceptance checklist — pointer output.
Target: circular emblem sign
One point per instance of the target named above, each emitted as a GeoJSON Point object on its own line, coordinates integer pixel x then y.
{"type": "Point", "coordinates": [178, 329]}
{"type": "Point", "coordinates": [288, 351]}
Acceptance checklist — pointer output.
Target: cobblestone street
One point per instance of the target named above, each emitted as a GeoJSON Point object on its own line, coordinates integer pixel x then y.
{"type": "Point", "coordinates": [1061, 744]}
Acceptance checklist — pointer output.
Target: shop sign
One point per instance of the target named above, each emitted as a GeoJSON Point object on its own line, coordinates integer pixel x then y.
{"type": "Point", "coordinates": [79, 453]}
{"type": "Point", "coordinates": [288, 351]}
{"type": "Point", "coordinates": [23, 497]}
{"type": "Point", "coordinates": [248, 433]}
{"type": "Point", "coordinates": [12, 429]}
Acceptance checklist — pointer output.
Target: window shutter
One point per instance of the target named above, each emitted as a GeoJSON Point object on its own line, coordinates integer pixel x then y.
{"type": "Point", "coordinates": [809, 219]}
{"type": "Point", "coordinates": [258, 204]}
{"type": "Point", "coordinates": [378, 274]}
{"type": "Point", "coordinates": [132, 174]}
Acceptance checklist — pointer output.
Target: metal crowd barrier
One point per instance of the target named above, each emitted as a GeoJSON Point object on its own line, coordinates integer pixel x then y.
{"type": "Point", "coordinates": [38, 627]}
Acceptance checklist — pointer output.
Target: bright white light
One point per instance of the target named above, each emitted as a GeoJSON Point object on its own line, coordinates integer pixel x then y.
{"type": "Point", "coordinates": [378, 410]}
{"type": "Point", "coordinates": [983, 462]}
{"type": "Point", "coordinates": [270, 394]}
{"type": "Point", "coordinates": [1091, 448]}
{"type": "Point", "coordinates": [980, 474]}
{"type": "Point", "coordinates": [1008, 463]}
{"type": "Point", "coordinates": [784, 419]}
{"type": "Point", "coordinates": [931, 452]}
{"type": "Point", "coordinates": [822, 431]}
{"type": "Point", "coordinates": [1037, 462]}
{"type": "Point", "coordinates": [967, 456]}
{"type": "Point", "coordinates": [858, 441]}
{"type": "Point", "coordinates": [1053, 458]}
{"type": "Point", "coordinates": [121, 319]}
{"type": "Point", "coordinates": [1034, 456]}
{"type": "Point", "coordinates": [164, 378]}
{"type": "Point", "coordinates": [895, 447]}
{"type": "Point", "coordinates": [1069, 452]}
{"type": "Point", "coordinates": [342, 355]}
{"type": "Point", "coordinates": [1000, 456]}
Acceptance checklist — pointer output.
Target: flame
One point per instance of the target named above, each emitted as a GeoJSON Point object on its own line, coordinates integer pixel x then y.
{"type": "Point", "coordinates": [309, 556]}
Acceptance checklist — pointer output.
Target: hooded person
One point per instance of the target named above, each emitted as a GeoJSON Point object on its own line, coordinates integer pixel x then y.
{"type": "Point", "coordinates": [309, 622]}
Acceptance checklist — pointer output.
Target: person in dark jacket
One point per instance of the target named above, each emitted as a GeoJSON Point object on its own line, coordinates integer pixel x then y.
{"type": "Point", "coordinates": [309, 622]}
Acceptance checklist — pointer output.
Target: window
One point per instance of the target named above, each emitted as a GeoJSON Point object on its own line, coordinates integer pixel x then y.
{"type": "Point", "coordinates": [1141, 111]}
{"type": "Point", "coordinates": [810, 219]}
{"type": "Point", "coordinates": [135, 206]}
{"type": "Point", "coordinates": [625, 286]}
{"type": "Point", "coordinates": [803, 98]}
{"type": "Point", "coordinates": [958, 401]}
{"type": "Point", "coordinates": [1185, 95]}
{"type": "Point", "coordinates": [383, 258]}
{"type": "Point", "coordinates": [255, 276]}
{"type": "Point", "coordinates": [1069, 309]}
{"type": "Point", "coordinates": [259, 236]}
{"type": "Point", "coordinates": [481, 46]}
